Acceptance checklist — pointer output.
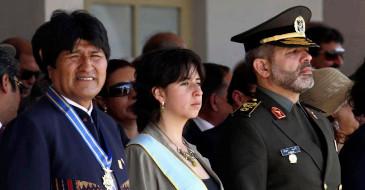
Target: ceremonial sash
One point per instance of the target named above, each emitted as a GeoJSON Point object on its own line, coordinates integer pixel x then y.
{"type": "Point", "coordinates": [104, 160]}
{"type": "Point", "coordinates": [177, 172]}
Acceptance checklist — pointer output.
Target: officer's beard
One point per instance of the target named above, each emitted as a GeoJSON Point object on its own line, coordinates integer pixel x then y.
{"type": "Point", "coordinates": [295, 81]}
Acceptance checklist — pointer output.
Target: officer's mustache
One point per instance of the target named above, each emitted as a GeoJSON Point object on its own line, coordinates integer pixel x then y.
{"type": "Point", "coordinates": [304, 65]}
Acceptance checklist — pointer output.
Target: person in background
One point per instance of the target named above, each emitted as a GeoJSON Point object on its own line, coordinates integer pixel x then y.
{"type": "Point", "coordinates": [10, 85]}
{"type": "Point", "coordinates": [28, 68]}
{"type": "Point", "coordinates": [242, 87]}
{"type": "Point", "coordinates": [330, 51]}
{"type": "Point", "coordinates": [63, 141]}
{"type": "Point", "coordinates": [118, 97]}
{"type": "Point", "coordinates": [352, 155]}
{"type": "Point", "coordinates": [273, 142]}
{"type": "Point", "coordinates": [215, 107]}
{"type": "Point", "coordinates": [330, 94]}
{"type": "Point", "coordinates": [163, 40]}
{"type": "Point", "coordinates": [168, 87]}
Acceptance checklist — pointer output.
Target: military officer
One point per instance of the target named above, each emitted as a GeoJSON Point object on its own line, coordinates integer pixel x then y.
{"type": "Point", "coordinates": [63, 141]}
{"type": "Point", "coordinates": [274, 142]}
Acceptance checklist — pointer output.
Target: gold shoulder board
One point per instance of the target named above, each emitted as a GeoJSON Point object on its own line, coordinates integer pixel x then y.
{"type": "Point", "coordinates": [249, 107]}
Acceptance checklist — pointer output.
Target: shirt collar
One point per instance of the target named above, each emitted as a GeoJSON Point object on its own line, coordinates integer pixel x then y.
{"type": "Point", "coordinates": [73, 103]}
{"type": "Point", "coordinates": [281, 100]}
{"type": "Point", "coordinates": [202, 124]}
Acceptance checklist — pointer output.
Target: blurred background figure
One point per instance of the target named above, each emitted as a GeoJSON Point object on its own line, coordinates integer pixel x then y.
{"type": "Point", "coordinates": [163, 40]}
{"type": "Point", "coordinates": [330, 53]}
{"type": "Point", "coordinates": [330, 94]}
{"type": "Point", "coordinates": [352, 155]}
{"type": "Point", "coordinates": [9, 85]}
{"type": "Point", "coordinates": [118, 96]}
{"type": "Point", "coordinates": [215, 107]}
{"type": "Point", "coordinates": [29, 72]}
{"type": "Point", "coordinates": [28, 68]}
{"type": "Point", "coordinates": [242, 87]}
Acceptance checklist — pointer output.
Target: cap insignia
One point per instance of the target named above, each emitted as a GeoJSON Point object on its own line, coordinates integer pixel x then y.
{"type": "Point", "coordinates": [299, 25]}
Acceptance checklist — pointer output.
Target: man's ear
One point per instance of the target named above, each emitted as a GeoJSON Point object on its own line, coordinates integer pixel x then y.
{"type": "Point", "coordinates": [5, 84]}
{"type": "Point", "coordinates": [159, 94]}
{"type": "Point", "coordinates": [262, 67]}
{"type": "Point", "coordinates": [213, 102]}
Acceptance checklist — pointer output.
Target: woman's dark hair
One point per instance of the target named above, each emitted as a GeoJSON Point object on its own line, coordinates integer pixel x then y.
{"type": "Point", "coordinates": [62, 32]}
{"type": "Point", "coordinates": [113, 65]}
{"type": "Point", "coordinates": [357, 93]}
{"type": "Point", "coordinates": [159, 69]}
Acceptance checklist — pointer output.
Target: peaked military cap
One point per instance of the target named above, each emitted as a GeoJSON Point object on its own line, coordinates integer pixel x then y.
{"type": "Point", "coordinates": [286, 29]}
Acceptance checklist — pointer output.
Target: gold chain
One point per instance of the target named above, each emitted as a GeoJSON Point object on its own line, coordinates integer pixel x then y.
{"type": "Point", "coordinates": [188, 155]}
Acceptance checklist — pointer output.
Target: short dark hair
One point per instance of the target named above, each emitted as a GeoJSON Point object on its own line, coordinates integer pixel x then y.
{"type": "Point", "coordinates": [357, 92]}
{"type": "Point", "coordinates": [159, 69]}
{"type": "Point", "coordinates": [8, 65]}
{"type": "Point", "coordinates": [323, 34]}
{"type": "Point", "coordinates": [62, 32]}
{"type": "Point", "coordinates": [242, 80]}
{"type": "Point", "coordinates": [113, 65]}
{"type": "Point", "coordinates": [214, 79]}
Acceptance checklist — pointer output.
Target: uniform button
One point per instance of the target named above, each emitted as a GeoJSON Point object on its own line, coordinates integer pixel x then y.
{"type": "Point", "coordinates": [340, 187]}
{"type": "Point", "coordinates": [325, 186]}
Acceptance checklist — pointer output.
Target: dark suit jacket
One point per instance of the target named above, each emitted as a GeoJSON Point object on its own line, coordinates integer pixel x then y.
{"type": "Point", "coordinates": [42, 148]}
{"type": "Point", "coordinates": [192, 133]}
{"type": "Point", "coordinates": [252, 158]}
{"type": "Point", "coordinates": [352, 157]}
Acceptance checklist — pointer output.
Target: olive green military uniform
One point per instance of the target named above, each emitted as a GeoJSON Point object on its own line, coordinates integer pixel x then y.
{"type": "Point", "coordinates": [274, 144]}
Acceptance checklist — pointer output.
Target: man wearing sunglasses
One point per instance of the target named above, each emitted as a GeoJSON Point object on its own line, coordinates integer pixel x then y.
{"type": "Point", "coordinates": [330, 53]}
{"type": "Point", "coordinates": [9, 85]}
{"type": "Point", "coordinates": [28, 68]}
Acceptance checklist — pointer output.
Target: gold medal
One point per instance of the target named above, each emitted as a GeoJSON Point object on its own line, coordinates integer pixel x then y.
{"type": "Point", "coordinates": [293, 158]}
{"type": "Point", "coordinates": [108, 179]}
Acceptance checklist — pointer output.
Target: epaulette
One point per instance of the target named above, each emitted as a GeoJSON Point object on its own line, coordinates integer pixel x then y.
{"type": "Point", "coordinates": [248, 107]}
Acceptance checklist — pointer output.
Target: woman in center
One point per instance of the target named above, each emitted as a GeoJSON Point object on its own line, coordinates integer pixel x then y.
{"type": "Point", "coordinates": [168, 94]}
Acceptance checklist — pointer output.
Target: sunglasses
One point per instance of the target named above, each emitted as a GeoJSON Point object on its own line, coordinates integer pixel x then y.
{"type": "Point", "coordinates": [332, 55]}
{"type": "Point", "coordinates": [120, 89]}
{"type": "Point", "coordinates": [27, 74]}
{"type": "Point", "coordinates": [20, 85]}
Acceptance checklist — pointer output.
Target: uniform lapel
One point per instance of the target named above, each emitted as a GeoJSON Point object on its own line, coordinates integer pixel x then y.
{"type": "Point", "coordinates": [288, 126]}
{"type": "Point", "coordinates": [326, 134]}
{"type": "Point", "coordinates": [289, 129]}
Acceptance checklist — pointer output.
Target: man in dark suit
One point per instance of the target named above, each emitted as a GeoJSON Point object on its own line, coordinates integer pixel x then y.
{"type": "Point", "coordinates": [273, 142]}
{"type": "Point", "coordinates": [63, 141]}
{"type": "Point", "coordinates": [9, 86]}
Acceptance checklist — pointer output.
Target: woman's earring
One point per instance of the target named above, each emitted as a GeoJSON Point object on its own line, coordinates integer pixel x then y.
{"type": "Point", "coordinates": [105, 109]}
{"type": "Point", "coordinates": [162, 107]}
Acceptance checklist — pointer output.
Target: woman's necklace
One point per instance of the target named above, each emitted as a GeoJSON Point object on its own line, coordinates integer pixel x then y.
{"type": "Point", "coordinates": [188, 155]}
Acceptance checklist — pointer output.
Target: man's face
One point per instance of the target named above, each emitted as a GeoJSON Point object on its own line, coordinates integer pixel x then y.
{"type": "Point", "coordinates": [28, 72]}
{"type": "Point", "coordinates": [330, 55]}
{"type": "Point", "coordinates": [79, 75]}
{"type": "Point", "coordinates": [291, 69]}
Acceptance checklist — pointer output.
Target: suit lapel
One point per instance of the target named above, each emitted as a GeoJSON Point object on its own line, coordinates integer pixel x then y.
{"type": "Point", "coordinates": [208, 168]}
{"type": "Point", "coordinates": [118, 163]}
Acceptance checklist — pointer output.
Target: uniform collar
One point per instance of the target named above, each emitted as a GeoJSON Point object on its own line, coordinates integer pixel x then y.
{"type": "Point", "coordinates": [284, 102]}
{"type": "Point", "coordinates": [73, 103]}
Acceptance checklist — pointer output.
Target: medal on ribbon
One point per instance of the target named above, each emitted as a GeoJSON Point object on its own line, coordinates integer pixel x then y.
{"type": "Point", "coordinates": [104, 160]}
